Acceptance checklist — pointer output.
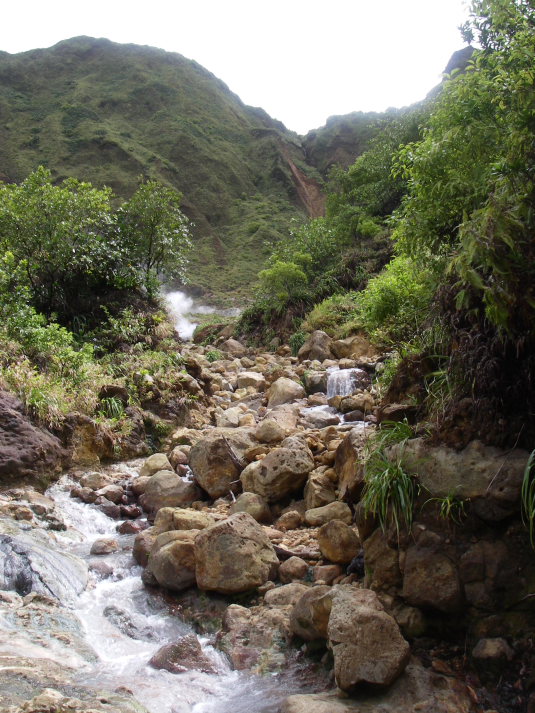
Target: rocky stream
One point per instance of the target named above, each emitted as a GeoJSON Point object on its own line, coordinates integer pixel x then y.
{"type": "Point", "coordinates": [237, 571]}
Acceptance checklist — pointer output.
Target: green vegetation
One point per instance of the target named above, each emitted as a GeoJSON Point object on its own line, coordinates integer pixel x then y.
{"type": "Point", "coordinates": [68, 262]}
{"type": "Point", "coordinates": [389, 491]}
{"type": "Point", "coordinates": [106, 113]}
{"type": "Point", "coordinates": [528, 498]}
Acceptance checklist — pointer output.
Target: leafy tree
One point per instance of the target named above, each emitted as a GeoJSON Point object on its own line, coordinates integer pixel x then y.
{"type": "Point", "coordinates": [156, 232]}
{"type": "Point", "coordinates": [74, 246]}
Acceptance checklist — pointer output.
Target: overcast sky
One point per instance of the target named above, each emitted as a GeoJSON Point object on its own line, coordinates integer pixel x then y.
{"type": "Point", "coordinates": [300, 60]}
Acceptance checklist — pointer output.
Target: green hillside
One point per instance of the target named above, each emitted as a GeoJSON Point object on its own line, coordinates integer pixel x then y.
{"type": "Point", "coordinates": [108, 113]}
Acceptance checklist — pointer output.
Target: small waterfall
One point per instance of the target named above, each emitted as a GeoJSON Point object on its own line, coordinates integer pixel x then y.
{"type": "Point", "coordinates": [343, 382]}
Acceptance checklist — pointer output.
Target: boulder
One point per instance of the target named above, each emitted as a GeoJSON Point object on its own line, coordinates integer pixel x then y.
{"type": "Point", "coordinates": [319, 417]}
{"type": "Point", "coordinates": [347, 465]}
{"type": "Point", "coordinates": [293, 569]}
{"type": "Point", "coordinates": [233, 348]}
{"type": "Point", "coordinates": [287, 595]}
{"type": "Point", "coordinates": [255, 638]}
{"type": "Point", "coordinates": [281, 473]}
{"type": "Point", "coordinates": [251, 378]}
{"type": "Point", "coordinates": [382, 563]}
{"type": "Point", "coordinates": [234, 556]}
{"type": "Point", "coordinates": [310, 615]}
{"type": "Point", "coordinates": [216, 459]}
{"type": "Point", "coordinates": [254, 504]}
{"type": "Point", "coordinates": [143, 544]}
{"type": "Point", "coordinates": [186, 654]}
{"type": "Point", "coordinates": [229, 418]}
{"type": "Point", "coordinates": [431, 578]}
{"type": "Point", "coordinates": [269, 431]}
{"type": "Point", "coordinates": [317, 346]}
{"type": "Point", "coordinates": [315, 382]}
{"type": "Point", "coordinates": [172, 559]}
{"type": "Point", "coordinates": [186, 519]}
{"type": "Point", "coordinates": [289, 520]}
{"type": "Point", "coordinates": [319, 490]}
{"type": "Point", "coordinates": [353, 347]}
{"type": "Point", "coordinates": [113, 492]}
{"type": "Point", "coordinates": [333, 511]}
{"type": "Point", "coordinates": [490, 477]}
{"type": "Point", "coordinates": [366, 642]}
{"type": "Point", "coordinates": [104, 546]}
{"type": "Point", "coordinates": [338, 542]}
{"type": "Point", "coordinates": [154, 464]}
{"type": "Point", "coordinates": [166, 489]}
{"type": "Point", "coordinates": [283, 391]}
{"type": "Point", "coordinates": [417, 690]}
{"type": "Point", "coordinates": [95, 480]}
{"type": "Point", "coordinates": [87, 440]}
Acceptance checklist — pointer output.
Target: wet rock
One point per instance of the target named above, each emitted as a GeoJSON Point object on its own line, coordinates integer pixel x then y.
{"type": "Point", "coordinates": [154, 464]}
{"type": "Point", "coordinates": [319, 418]}
{"type": "Point", "coordinates": [333, 511]}
{"type": "Point", "coordinates": [282, 472]}
{"type": "Point", "coordinates": [338, 542]}
{"type": "Point", "coordinates": [104, 546]}
{"type": "Point", "coordinates": [130, 511]}
{"type": "Point", "coordinates": [166, 489]}
{"type": "Point", "coordinates": [317, 346]}
{"type": "Point", "coordinates": [216, 459]}
{"type": "Point", "coordinates": [142, 546]}
{"type": "Point", "coordinates": [126, 623]}
{"type": "Point", "coordinates": [186, 654]}
{"type": "Point", "coordinates": [310, 615]}
{"type": "Point", "coordinates": [30, 562]}
{"type": "Point", "coordinates": [255, 638]}
{"type": "Point", "coordinates": [366, 642]}
{"type": "Point", "coordinates": [283, 391]}
{"type": "Point", "coordinates": [417, 690]}
{"type": "Point", "coordinates": [114, 493]}
{"type": "Point", "coordinates": [254, 504]}
{"type": "Point", "coordinates": [315, 382]}
{"type": "Point", "coordinates": [132, 528]}
{"type": "Point", "coordinates": [234, 556]}
{"type": "Point", "coordinates": [172, 559]}
{"type": "Point", "coordinates": [107, 507]}
{"type": "Point", "coordinates": [95, 480]}
{"type": "Point", "coordinates": [293, 569]}
{"type": "Point", "coordinates": [139, 485]}
{"type": "Point", "coordinates": [354, 416]}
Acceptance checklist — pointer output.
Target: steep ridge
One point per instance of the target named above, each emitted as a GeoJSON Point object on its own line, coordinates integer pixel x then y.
{"type": "Point", "coordinates": [109, 113]}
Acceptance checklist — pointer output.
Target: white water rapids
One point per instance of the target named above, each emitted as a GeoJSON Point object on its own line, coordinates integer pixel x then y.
{"type": "Point", "coordinates": [123, 657]}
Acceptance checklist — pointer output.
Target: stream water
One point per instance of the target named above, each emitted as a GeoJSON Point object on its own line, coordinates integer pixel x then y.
{"type": "Point", "coordinates": [125, 624]}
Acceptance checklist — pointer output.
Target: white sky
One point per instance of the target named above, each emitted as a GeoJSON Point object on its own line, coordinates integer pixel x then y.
{"type": "Point", "coordinates": [300, 60]}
